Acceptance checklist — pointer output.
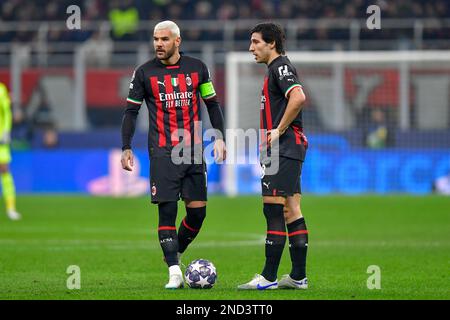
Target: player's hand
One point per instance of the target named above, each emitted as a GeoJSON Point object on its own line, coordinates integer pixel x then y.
{"type": "Point", "coordinates": [220, 151]}
{"type": "Point", "coordinates": [127, 160]}
{"type": "Point", "coordinates": [272, 136]}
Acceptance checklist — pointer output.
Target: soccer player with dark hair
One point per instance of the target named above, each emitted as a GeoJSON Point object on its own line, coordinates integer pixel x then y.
{"type": "Point", "coordinates": [171, 85]}
{"type": "Point", "coordinates": [281, 117]}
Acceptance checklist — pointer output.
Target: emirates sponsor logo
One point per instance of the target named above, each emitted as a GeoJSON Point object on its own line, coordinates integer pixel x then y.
{"type": "Point", "coordinates": [175, 96]}
{"type": "Point", "coordinates": [176, 99]}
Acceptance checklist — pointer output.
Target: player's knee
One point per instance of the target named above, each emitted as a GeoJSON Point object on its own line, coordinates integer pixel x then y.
{"type": "Point", "coordinates": [196, 214]}
{"type": "Point", "coordinates": [167, 213]}
{"type": "Point", "coordinates": [286, 212]}
{"type": "Point", "coordinates": [195, 204]}
{"type": "Point", "coordinates": [272, 211]}
{"type": "Point", "coordinates": [274, 200]}
{"type": "Point", "coordinates": [292, 213]}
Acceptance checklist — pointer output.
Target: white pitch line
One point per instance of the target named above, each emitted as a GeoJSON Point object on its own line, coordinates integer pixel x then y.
{"type": "Point", "coordinates": [140, 231]}
{"type": "Point", "coordinates": [139, 245]}
{"type": "Point", "coordinates": [100, 244]}
{"type": "Point", "coordinates": [93, 230]}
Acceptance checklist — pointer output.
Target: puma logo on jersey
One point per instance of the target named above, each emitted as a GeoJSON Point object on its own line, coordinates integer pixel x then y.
{"type": "Point", "coordinates": [162, 83]}
{"type": "Point", "coordinates": [266, 184]}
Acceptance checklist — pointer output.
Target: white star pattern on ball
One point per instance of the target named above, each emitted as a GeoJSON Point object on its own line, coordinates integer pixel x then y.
{"type": "Point", "coordinates": [200, 274]}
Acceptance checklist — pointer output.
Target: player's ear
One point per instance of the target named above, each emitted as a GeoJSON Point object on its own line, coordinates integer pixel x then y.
{"type": "Point", "coordinates": [178, 41]}
{"type": "Point", "coordinates": [272, 45]}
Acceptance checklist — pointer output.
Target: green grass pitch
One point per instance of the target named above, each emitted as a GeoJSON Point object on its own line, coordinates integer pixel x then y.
{"type": "Point", "coordinates": [114, 242]}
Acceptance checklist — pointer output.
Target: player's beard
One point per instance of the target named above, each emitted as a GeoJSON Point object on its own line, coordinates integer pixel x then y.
{"type": "Point", "coordinates": [168, 54]}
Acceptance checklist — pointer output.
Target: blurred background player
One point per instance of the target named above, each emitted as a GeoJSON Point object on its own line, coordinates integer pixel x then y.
{"type": "Point", "coordinates": [8, 188]}
{"type": "Point", "coordinates": [377, 135]}
{"type": "Point", "coordinates": [171, 85]}
{"type": "Point", "coordinates": [281, 117]}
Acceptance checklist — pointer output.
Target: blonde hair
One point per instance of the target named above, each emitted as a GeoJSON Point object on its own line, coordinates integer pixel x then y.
{"type": "Point", "coordinates": [167, 24]}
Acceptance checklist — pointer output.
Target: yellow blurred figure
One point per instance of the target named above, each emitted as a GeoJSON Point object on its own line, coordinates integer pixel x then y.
{"type": "Point", "coordinates": [8, 188]}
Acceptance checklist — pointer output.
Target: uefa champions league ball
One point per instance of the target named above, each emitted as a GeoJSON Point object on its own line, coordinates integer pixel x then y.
{"type": "Point", "coordinates": [200, 274]}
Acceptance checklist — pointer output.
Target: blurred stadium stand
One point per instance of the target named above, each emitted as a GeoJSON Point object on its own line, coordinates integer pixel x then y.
{"type": "Point", "coordinates": [310, 25]}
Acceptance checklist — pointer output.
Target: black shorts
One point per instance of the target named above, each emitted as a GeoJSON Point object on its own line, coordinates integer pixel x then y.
{"type": "Point", "coordinates": [285, 182]}
{"type": "Point", "coordinates": [169, 181]}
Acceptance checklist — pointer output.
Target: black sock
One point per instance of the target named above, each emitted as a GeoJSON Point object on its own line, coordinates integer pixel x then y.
{"type": "Point", "coordinates": [167, 232]}
{"type": "Point", "coordinates": [298, 247]}
{"type": "Point", "coordinates": [190, 227]}
{"type": "Point", "coordinates": [275, 240]}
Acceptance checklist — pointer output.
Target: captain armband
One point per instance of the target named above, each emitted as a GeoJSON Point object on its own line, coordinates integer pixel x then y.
{"type": "Point", "coordinates": [207, 90]}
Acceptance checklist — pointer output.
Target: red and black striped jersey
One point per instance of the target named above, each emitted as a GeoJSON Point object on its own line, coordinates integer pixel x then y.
{"type": "Point", "coordinates": [172, 94]}
{"type": "Point", "coordinates": [280, 79]}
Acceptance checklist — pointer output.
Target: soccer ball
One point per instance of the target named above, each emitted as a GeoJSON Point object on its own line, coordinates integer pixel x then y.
{"type": "Point", "coordinates": [200, 274]}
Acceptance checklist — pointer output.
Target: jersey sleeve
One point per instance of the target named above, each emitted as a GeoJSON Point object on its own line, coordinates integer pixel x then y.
{"type": "Point", "coordinates": [135, 98]}
{"type": "Point", "coordinates": [137, 88]}
{"type": "Point", "coordinates": [206, 86]}
{"type": "Point", "coordinates": [286, 78]}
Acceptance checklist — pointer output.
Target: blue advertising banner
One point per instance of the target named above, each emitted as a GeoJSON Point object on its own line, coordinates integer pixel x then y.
{"type": "Point", "coordinates": [97, 172]}
{"type": "Point", "coordinates": [325, 171]}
